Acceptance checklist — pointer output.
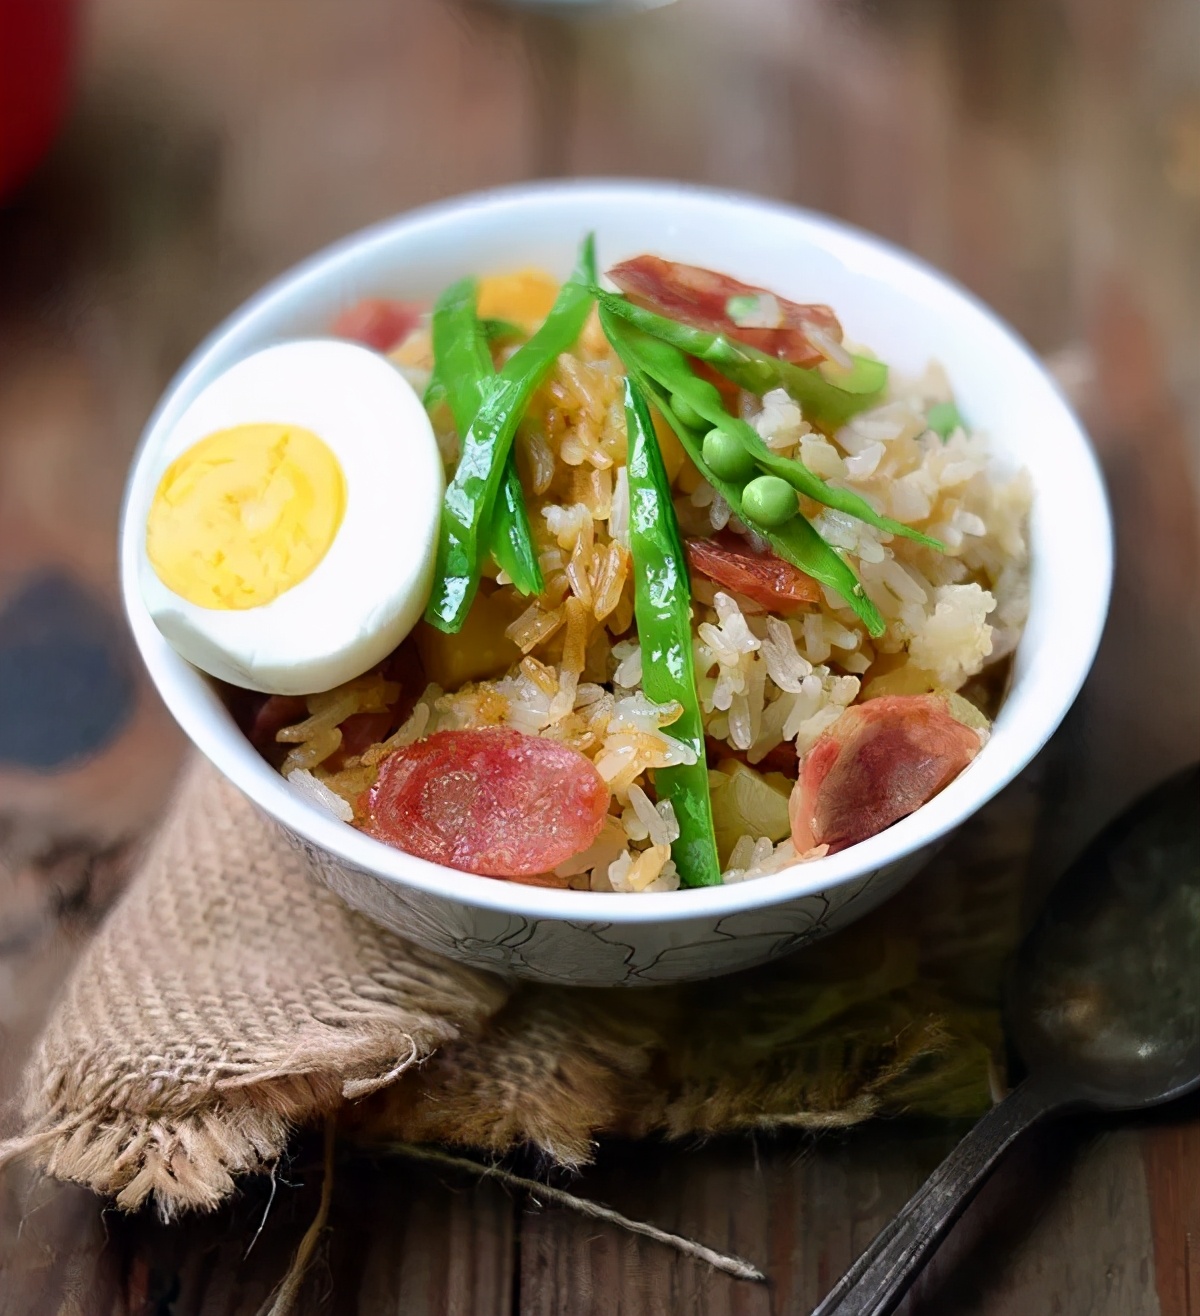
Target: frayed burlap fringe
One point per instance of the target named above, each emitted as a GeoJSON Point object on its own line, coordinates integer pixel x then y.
{"type": "Point", "coordinates": [229, 999]}
{"type": "Point", "coordinates": [226, 1000]}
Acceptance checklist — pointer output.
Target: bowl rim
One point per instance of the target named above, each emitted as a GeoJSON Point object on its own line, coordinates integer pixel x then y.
{"type": "Point", "coordinates": [178, 683]}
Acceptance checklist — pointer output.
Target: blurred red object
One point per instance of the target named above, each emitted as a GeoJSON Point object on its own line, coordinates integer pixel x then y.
{"type": "Point", "coordinates": [37, 40]}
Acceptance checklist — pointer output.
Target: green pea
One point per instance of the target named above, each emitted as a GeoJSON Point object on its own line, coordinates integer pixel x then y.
{"type": "Point", "coordinates": [769, 501]}
{"type": "Point", "coordinates": [685, 413]}
{"type": "Point", "coordinates": [726, 457]}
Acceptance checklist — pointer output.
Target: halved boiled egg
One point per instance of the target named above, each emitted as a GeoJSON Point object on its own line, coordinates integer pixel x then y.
{"type": "Point", "coordinates": [291, 533]}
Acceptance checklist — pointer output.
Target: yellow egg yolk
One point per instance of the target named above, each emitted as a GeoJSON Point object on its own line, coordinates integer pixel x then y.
{"type": "Point", "coordinates": [525, 297]}
{"type": "Point", "coordinates": [245, 514]}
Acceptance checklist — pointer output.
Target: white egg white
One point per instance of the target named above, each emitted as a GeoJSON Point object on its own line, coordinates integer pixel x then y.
{"type": "Point", "coordinates": [372, 585]}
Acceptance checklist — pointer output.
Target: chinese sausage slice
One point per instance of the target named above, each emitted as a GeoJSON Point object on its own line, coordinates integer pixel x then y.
{"type": "Point", "coordinates": [493, 802]}
{"type": "Point", "coordinates": [878, 763]}
{"type": "Point", "coordinates": [722, 305]}
{"type": "Point", "coordinates": [763, 577]}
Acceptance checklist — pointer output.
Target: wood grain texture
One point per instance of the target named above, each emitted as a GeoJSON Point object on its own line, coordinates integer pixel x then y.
{"type": "Point", "coordinates": [1171, 1152]}
{"type": "Point", "coordinates": [1044, 152]}
{"type": "Point", "coordinates": [401, 1241]}
{"type": "Point", "coordinates": [799, 1209]}
{"type": "Point", "coordinates": [55, 1257]}
{"type": "Point", "coordinates": [449, 1247]}
{"type": "Point", "coordinates": [1063, 1227]}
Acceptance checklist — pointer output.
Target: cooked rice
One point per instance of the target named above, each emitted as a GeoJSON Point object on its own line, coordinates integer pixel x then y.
{"type": "Point", "coordinates": [764, 681]}
{"type": "Point", "coordinates": [316, 792]}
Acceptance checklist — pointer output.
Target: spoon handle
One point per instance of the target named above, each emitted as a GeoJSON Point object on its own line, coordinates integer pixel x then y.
{"type": "Point", "coordinates": [880, 1277]}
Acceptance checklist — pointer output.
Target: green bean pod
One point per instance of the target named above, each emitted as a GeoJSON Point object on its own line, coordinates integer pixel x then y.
{"type": "Point", "coordinates": [461, 361]}
{"type": "Point", "coordinates": [669, 366]}
{"type": "Point", "coordinates": [796, 541]}
{"type": "Point", "coordinates": [501, 331]}
{"type": "Point", "coordinates": [463, 367]}
{"type": "Point", "coordinates": [511, 538]}
{"type": "Point", "coordinates": [827, 404]}
{"type": "Point", "coordinates": [471, 495]}
{"type": "Point", "coordinates": [662, 605]}
{"type": "Point", "coordinates": [493, 331]}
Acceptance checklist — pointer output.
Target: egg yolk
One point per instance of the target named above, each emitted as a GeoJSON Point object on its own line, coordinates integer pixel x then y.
{"type": "Point", "coordinates": [245, 514]}
{"type": "Point", "coordinates": [525, 297]}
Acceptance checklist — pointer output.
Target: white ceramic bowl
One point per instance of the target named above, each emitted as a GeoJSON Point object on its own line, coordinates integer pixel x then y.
{"type": "Point", "coordinates": [908, 313]}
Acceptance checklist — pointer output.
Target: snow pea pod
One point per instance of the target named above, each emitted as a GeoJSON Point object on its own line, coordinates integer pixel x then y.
{"type": "Point", "coordinates": [494, 331]}
{"type": "Point", "coordinates": [698, 398]}
{"type": "Point", "coordinates": [471, 494]}
{"type": "Point", "coordinates": [461, 361]}
{"type": "Point", "coordinates": [511, 538]}
{"type": "Point", "coordinates": [501, 331]}
{"type": "Point", "coordinates": [827, 404]}
{"type": "Point", "coordinates": [662, 605]}
{"type": "Point", "coordinates": [463, 364]}
{"type": "Point", "coordinates": [796, 541]}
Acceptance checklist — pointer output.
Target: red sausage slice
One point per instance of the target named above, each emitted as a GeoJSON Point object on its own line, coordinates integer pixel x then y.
{"type": "Point", "coordinates": [878, 763]}
{"type": "Point", "coordinates": [763, 577]}
{"type": "Point", "coordinates": [493, 802]}
{"type": "Point", "coordinates": [378, 322]}
{"type": "Point", "coordinates": [700, 297]}
{"type": "Point", "coordinates": [275, 713]}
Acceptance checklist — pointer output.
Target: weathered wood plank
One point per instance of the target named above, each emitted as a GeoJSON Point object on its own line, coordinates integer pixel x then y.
{"type": "Point", "coordinates": [400, 1241]}
{"type": "Point", "coordinates": [1063, 1226]}
{"type": "Point", "coordinates": [448, 1246]}
{"type": "Point", "coordinates": [800, 1210]}
{"type": "Point", "coordinates": [55, 1257]}
{"type": "Point", "coordinates": [1037, 149]}
{"type": "Point", "coordinates": [1171, 1154]}
{"type": "Point", "coordinates": [228, 1262]}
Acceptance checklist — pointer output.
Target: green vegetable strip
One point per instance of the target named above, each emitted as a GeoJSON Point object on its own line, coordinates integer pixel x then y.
{"type": "Point", "coordinates": [866, 375]}
{"type": "Point", "coordinates": [501, 331]}
{"type": "Point", "coordinates": [662, 599]}
{"type": "Point", "coordinates": [796, 542]}
{"type": "Point", "coordinates": [669, 366]}
{"type": "Point", "coordinates": [825, 403]}
{"type": "Point", "coordinates": [494, 331]}
{"type": "Point", "coordinates": [944, 418]}
{"type": "Point", "coordinates": [435, 393]}
{"type": "Point", "coordinates": [460, 355]}
{"type": "Point", "coordinates": [463, 363]}
{"type": "Point", "coordinates": [471, 495]}
{"type": "Point", "coordinates": [486, 445]}
{"type": "Point", "coordinates": [511, 538]}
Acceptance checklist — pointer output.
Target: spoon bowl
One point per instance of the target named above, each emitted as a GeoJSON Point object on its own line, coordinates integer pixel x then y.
{"type": "Point", "coordinates": [1103, 1006]}
{"type": "Point", "coordinates": [1104, 996]}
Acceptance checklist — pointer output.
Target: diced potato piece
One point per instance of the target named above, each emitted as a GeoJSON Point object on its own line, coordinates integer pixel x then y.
{"type": "Point", "coordinates": [745, 803]}
{"type": "Point", "coordinates": [907, 680]}
{"type": "Point", "coordinates": [672, 451]}
{"type": "Point", "coordinates": [525, 296]}
{"type": "Point", "coordinates": [689, 478]}
{"type": "Point", "coordinates": [962, 710]}
{"type": "Point", "coordinates": [415, 351]}
{"type": "Point", "coordinates": [480, 650]}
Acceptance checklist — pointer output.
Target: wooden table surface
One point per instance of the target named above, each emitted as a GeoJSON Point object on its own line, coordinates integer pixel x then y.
{"type": "Point", "coordinates": [1045, 152]}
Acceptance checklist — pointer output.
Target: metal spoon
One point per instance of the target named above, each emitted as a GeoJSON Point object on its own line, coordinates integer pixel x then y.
{"type": "Point", "coordinates": [1103, 1006]}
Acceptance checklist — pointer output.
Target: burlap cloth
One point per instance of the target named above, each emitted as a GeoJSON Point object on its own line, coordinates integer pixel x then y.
{"type": "Point", "coordinates": [229, 999]}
